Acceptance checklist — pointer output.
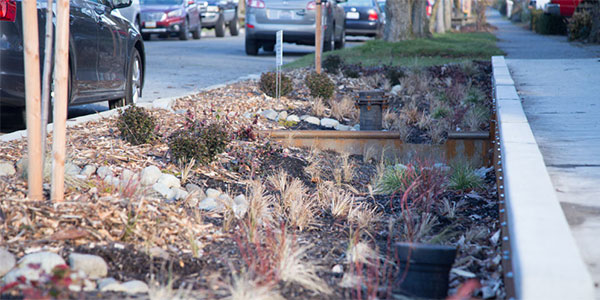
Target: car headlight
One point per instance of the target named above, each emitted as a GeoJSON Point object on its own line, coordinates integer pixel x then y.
{"type": "Point", "coordinates": [176, 13]}
{"type": "Point", "coordinates": [212, 8]}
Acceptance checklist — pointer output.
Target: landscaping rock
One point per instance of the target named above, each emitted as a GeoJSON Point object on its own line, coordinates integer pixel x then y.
{"type": "Point", "coordinates": [313, 120]}
{"type": "Point", "coordinates": [208, 204]}
{"type": "Point", "coordinates": [270, 114]}
{"type": "Point", "coordinates": [396, 89]}
{"type": "Point", "coordinates": [150, 175]}
{"type": "Point", "coordinates": [193, 188]}
{"type": "Point", "coordinates": [293, 118]}
{"type": "Point", "coordinates": [7, 168]}
{"type": "Point", "coordinates": [103, 171]}
{"type": "Point", "coordinates": [179, 194]}
{"type": "Point", "coordinates": [304, 117]}
{"type": "Point", "coordinates": [282, 115]}
{"type": "Point", "coordinates": [212, 193]}
{"type": "Point", "coordinates": [72, 169]}
{"type": "Point", "coordinates": [47, 260]}
{"type": "Point", "coordinates": [240, 206]}
{"type": "Point", "coordinates": [158, 252]}
{"type": "Point", "coordinates": [111, 180]}
{"type": "Point", "coordinates": [110, 285]}
{"type": "Point", "coordinates": [247, 115]}
{"type": "Point", "coordinates": [224, 199]}
{"type": "Point", "coordinates": [129, 176]}
{"type": "Point", "coordinates": [7, 261]}
{"type": "Point", "coordinates": [92, 265]}
{"type": "Point", "coordinates": [337, 269]}
{"type": "Point", "coordinates": [27, 272]}
{"type": "Point", "coordinates": [135, 287]}
{"type": "Point", "coordinates": [329, 123]}
{"type": "Point", "coordinates": [88, 171]}
{"type": "Point", "coordinates": [341, 127]}
{"type": "Point", "coordinates": [162, 189]}
{"type": "Point", "coordinates": [169, 180]}
{"type": "Point", "coordinates": [88, 286]}
{"type": "Point", "coordinates": [356, 127]}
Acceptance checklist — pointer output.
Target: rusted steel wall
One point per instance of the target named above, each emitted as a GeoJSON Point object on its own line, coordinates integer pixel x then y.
{"type": "Point", "coordinates": [473, 147]}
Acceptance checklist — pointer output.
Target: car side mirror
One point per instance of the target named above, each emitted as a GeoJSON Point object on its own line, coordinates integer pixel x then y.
{"type": "Point", "coordinates": [121, 3]}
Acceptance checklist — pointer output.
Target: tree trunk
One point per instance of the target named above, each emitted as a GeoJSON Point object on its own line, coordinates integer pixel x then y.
{"type": "Point", "coordinates": [448, 14]}
{"type": "Point", "coordinates": [595, 30]}
{"type": "Point", "coordinates": [405, 19]}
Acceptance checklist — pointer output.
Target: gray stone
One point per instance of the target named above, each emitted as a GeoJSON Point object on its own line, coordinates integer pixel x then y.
{"type": "Point", "coordinates": [162, 189]}
{"type": "Point", "coordinates": [208, 204]}
{"type": "Point", "coordinates": [135, 287]}
{"type": "Point", "coordinates": [7, 261]}
{"type": "Point", "coordinates": [7, 169]}
{"type": "Point", "coordinates": [337, 269]}
{"type": "Point", "coordinates": [247, 115]}
{"type": "Point", "coordinates": [92, 265]}
{"type": "Point", "coordinates": [110, 285]}
{"type": "Point", "coordinates": [29, 273]}
{"type": "Point", "coordinates": [72, 169]}
{"type": "Point", "coordinates": [179, 194]}
{"type": "Point", "coordinates": [47, 260]}
{"type": "Point", "coordinates": [88, 170]}
{"type": "Point", "coordinates": [282, 115]}
{"type": "Point", "coordinates": [169, 180]}
{"type": "Point", "coordinates": [269, 114]}
{"type": "Point", "coordinates": [329, 123]}
{"type": "Point", "coordinates": [158, 252]}
{"type": "Point", "coordinates": [129, 176]}
{"type": "Point", "coordinates": [103, 172]}
{"type": "Point", "coordinates": [293, 118]}
{"type": "Point", "coordinates": [225, 200]}
{"type": "Point", "coordinates": [88, 286]}
{"type": "Point", "coordinates": [191, 188]}
{"type": "Point", "coordinates": [181, 111]}
{"type": "Point", "coordinates": [212, 193]}
{"type": "Point", "coordinates": [396, 89]}
{"type": "Point", "coordinates": [304, 117]}
{"type": "Point", "coordinates": [150, 175]}
{"type": "Point", "coordinates": [240, 206]}
{"type": "Point", "coordinates": [341, 127]}
{"type": "Point", "coordinates": [111, 180]}
{"type": "Point", "coordinates": [313, 120]}
{"type": "Point", "coordinates": [356, 127]}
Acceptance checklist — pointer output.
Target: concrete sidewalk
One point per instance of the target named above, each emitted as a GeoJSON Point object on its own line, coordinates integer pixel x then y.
{"type": "Point", "coordinates": [559, 84]}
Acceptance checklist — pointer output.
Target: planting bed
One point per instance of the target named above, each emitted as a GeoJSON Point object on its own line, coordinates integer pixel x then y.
{"type": "Point", "coordinates": [286, 222]}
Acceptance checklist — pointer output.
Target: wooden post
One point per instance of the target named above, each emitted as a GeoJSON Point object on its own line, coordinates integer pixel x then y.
{"type": "Point", "coordinates": [61, 69]}
{"type": "Point", "coordinates": [47, 76]}
{"type": "Point", "coordinates": [32, 96]}
{"type": "Point", "coordinates": [318, 37]}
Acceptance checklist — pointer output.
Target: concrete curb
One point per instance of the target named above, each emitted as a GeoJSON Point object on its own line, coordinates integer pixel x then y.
{"type": "Point", "coordinates": [546, 261]}
{"type": "Point", "coordinates": [165, 103]}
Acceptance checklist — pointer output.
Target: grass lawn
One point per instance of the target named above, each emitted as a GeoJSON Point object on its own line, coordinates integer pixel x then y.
{"type": "Point", "coordinates": [441, 49]}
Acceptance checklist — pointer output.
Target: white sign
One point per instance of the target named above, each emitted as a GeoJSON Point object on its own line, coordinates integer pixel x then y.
{"type": "Point", "coordinates": [279, 48]}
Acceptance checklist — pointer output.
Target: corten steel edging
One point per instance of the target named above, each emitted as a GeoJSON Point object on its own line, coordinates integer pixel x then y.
{"type": "Point", "coordinates": [471, 146]}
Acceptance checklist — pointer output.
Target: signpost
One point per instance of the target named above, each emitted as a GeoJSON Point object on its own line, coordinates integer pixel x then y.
{"type": "Point", "coordinates": [318, 37]}
{"type": "Point", "coordinates": [278, 60]}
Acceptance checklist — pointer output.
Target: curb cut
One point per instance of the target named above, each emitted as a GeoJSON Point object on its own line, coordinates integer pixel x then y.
{"type": "Point", "coordinates": [546, 261]}
{"type": "Point", "coordinates": [165, 103]}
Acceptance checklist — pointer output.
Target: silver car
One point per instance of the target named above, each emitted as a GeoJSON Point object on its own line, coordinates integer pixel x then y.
{"type": "Point", "coordinates": [297, 20]}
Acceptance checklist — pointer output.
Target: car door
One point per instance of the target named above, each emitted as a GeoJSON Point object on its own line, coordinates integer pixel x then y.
{"type": "Point", "coordinates": [193, 13]}
{"type": "Point", "coordinates": [84, 36]}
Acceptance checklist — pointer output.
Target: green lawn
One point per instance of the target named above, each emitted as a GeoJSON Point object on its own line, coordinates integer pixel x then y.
{"type": "Point", "coordinates": [441, 49]}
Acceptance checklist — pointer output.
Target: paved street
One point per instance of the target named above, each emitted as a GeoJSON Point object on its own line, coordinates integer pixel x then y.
{"type": "Point", "coordinates": [558, 84]}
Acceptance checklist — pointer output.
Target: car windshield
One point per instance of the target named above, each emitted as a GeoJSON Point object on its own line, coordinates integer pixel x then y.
{"type": "Point", "coordinates": [358, 3]}
{"type": "Point", "coordinates": [161, 2]}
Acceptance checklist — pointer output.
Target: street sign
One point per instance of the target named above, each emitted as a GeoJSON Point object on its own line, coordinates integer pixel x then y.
{"type": "Point", "coordinates": [279, 48]}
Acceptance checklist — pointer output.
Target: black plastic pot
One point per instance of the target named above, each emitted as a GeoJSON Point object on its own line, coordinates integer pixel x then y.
{"type": "Point", "coordinates": [428, 269]}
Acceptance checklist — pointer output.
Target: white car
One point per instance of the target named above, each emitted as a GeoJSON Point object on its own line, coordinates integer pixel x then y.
{"type": "Point", "coordinates": [132, 13]}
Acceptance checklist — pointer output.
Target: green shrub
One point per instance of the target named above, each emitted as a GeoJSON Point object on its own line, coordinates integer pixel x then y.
{"type": "Point", "coordinates": [463, 177]}
{"type": "Point", "coordinates": [136, 125]}
{"type": "Point", "coordinates": [333, 63]}
{"type": "Point", "coordinates": [320, 85]}
{"type": "Point", "coordinates": [393, 179]}
{"type": "Point", "coordinates": [580, 25]}
{"type": "Point", "coordinates": [440, 112]}
{"type": "Point", "coordinates": [474, 96]}
{"type": "Point", "coordinates": [394, 74]}
{"type": "Point", "coordinates": [199, 141]}
{"type": "Point", "coordinates": [351, 71]}
{"type": "Point", "coordinates": [547, 24]}
{"type": "Point", "coordinates": [268, 84]}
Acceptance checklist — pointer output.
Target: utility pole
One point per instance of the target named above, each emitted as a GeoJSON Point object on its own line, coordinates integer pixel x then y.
{"type": "Point", "coordinates": [318, 36]}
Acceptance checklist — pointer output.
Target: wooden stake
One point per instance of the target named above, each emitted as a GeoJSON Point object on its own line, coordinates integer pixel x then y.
{"type": "Point", "coordinates": [32, 98]}
{"type": "Point", "coordinates": [318, 38]}
{"type": "Point", "coordinates": [61, 89]}
{"type": "Point", "coordinates": [47, 76]}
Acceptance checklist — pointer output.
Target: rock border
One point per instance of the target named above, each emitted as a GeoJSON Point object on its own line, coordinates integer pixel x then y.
{"type": "Point", "coordinates": [546, 261]}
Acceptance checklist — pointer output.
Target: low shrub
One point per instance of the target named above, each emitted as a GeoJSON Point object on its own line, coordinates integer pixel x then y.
{"type": "Point", "coordinates": [394, 74]}
{"type": "Point", "coordinates": [136, 125]}
{"type": "Point", "coordinates": [547, 24]}
{"type": "Point", "coordinates": [199, 141]}
{"type": "Point", "coordinates": [320, 85]}
{"type": "Point", "coordinates": [579, 25]}
{"type": "Point", "coordinates": [333, 64]}
{"type": "Point", "coordinates": [463, 177]}
{"type": "Point", "coordinates": [268, 84]}
{"type": "Point", "coordinates": [351, 71]}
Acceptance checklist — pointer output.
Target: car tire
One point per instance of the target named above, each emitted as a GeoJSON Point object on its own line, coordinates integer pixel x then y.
{"type": "Point", "coordinates": [234, 28]}
{"type": "Point", "coordinates": [197, 33]}
{"type": "Point", "coordinates": [342, 42]}
{"type": "Point", "coordinates": [252, 46]}
{"type": "Point", "coordinates": [269, 47]}
{"type": "Point", "coordinates": [134, 83]}
{"type": "Point", "coordinates": [146, 36]}
{"type": "Point", "coordinates": [329, 44]}
{"type": "Point", "coordinates": [220, 26]}
{"type": "Point", "coordinates": [185, 30]}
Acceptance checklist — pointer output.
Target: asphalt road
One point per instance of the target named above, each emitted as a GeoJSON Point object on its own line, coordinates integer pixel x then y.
{"type": "Point", "coordinates": [177, 68]}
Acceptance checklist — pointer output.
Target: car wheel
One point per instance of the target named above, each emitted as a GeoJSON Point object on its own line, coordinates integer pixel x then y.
{"type": "Point", "coordinates": [269, 47]}
{"type": "Point", "coordinates": [234, 29]}
{"type": "Point", "coordinates": [185, 30]}
{"type": "Point", "coordinates": [329, 44]}
{"type": "Point", "coordinates": [220, 26]}
{"type": "Point", "coordinates": [197, 33]}
{"type": "Point", "coordinates": [342, 42]}
{"type": "Point", "coordinates": [146, 36]}
{"type": "Point", "coordinates": [134, 83]}
{"type": "Point", "coordinates": [252, 46]}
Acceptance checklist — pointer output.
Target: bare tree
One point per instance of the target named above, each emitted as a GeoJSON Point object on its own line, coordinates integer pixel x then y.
{"type": "Point", "coordinates": [406, 19]}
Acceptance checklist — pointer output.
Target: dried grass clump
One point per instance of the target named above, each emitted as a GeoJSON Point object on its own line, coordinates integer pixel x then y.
{"type": "Point", "coordinates": [361, 253]}
{"type": "Point", "coordinates": [475, 117]}
{"type": "Point", "coordinates": [245, 288]}
{"type": "Point", "coordinates": [343, 109]}
{"type": "Point", "coordinates": [294, 205]}
{"type": "Point", "coordinates": [438, 131]}
{"type": "Point", "coordinates": [317, 107]}
{"type": "Point", "coordinates": [340, 203]}
{"type": "Point", "coordinates": [363, 215]}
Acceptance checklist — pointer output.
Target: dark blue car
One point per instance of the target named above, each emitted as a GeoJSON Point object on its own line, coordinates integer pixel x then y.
{"type": "Point", "coordinates": [364, 17]}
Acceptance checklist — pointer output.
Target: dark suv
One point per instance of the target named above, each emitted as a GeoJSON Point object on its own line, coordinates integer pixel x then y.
{"type": "Point", "coordinates": [219, 14]}
{"type": "Point", "coordinates": [297, 20]}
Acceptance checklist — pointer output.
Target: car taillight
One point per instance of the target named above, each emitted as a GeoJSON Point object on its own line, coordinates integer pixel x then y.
{"type": "Point", "coordinates": [373, 15]}
{"type": "Point", "coordinates": [8, 10]}
{"type": "Point", "coordinates": [311, 5]}
{"type": "Point", "coordinates": [256, 3]}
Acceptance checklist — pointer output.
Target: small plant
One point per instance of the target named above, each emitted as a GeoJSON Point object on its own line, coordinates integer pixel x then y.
{"type": "Point", "coordinates": [333, 63]}
{"type": "Point", "coordinates": [317, 107]}
{"type": "Point", "coordinates": [580, 25]}
{"type": "Point", "coordinates": [136, 125]}
{"type": "Point", "coordinates": [320, 85]}
{"type": "Point", "coordinates": [351, 71]}
{"type": "Point", "coordinates": [344, 109]}
{"type": "Point", "coordinates": [475, 117]}
{"type": "Point", "coordinates": [286, 123]}
{"type": "Point", "coordinates": [394, 74]}
{"type": "Point", "coordinates": [463, 177]}
{"type": "Point", "coordinates": [198, 141]}
{"type": "Point", "coordinates": [268, 84]}
{"type": "Point", "coordinates": [474, 96]}
{"type": "Point", "coordinates": [440, 112]}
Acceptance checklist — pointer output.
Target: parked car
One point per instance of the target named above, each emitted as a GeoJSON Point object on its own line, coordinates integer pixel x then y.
{"type": "Point", "coordinates": [171, 17]}
{"type": "Point", "coordinates": [106, 54]}
{"type": "Point", "coordinates": [132, 13]}
{"type": "Point", "coordinates": [297, 20]}
{"type": "Point", "coordinates": [565, 8]}
{"type": "Point", "coordinates": [219, 14]}
{"type": "Point", "coordinates": [382, 8]}
{"type": "Point", "coordinates": [363, 17]}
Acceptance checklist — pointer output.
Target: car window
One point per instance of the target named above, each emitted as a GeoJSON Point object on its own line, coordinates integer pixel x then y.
{"type": "Point", "coordinates": [358, 3]}
{"type": "Point", "coordinates": [161, 2]}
